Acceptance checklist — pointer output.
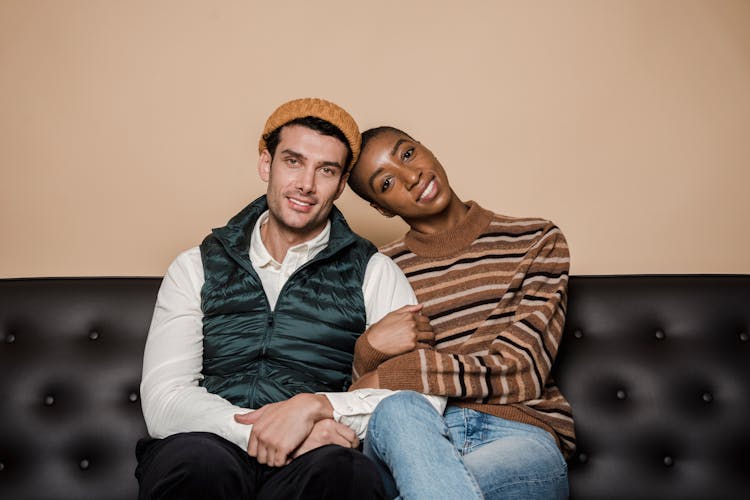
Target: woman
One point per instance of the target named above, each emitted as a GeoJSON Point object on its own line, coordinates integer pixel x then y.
{"type": "Point", "coordinates": [494, 288]}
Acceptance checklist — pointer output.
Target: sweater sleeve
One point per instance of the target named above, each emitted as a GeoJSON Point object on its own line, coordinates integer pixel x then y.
{"type": "Point", "coordinates": [366, 357]}
{"type": "Point", "coordinates": [385, 289]}
{"type": "Point", "coordinates": [508, 356]}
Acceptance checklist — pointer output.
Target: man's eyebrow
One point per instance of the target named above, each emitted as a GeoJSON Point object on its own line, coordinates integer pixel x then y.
{"type": "Point", "coordinates": [330, 164]}
{"type": "Point", "coordinates": [396, 146]}
{"type": "Point", "coordinates": [294, 153]}
{"type": "Point", "coordinates": [302, 157]}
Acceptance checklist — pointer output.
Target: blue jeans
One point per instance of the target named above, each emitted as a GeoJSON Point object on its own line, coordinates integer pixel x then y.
{"type": "Point", "coordinates": [462, 454]}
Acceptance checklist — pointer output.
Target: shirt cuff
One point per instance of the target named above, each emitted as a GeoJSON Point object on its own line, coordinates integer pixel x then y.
{"type": "Point", "coordinates": [359, 402]}
{"type": "Point", "coordinates": [354, 408]}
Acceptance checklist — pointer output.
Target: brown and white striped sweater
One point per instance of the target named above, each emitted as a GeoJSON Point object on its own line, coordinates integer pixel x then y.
{"type": "Point", "coordinates": [495, 290]}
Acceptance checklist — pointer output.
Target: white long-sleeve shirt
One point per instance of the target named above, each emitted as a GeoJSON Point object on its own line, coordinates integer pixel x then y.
{"type": "Point", "coordinates": [172, 399]}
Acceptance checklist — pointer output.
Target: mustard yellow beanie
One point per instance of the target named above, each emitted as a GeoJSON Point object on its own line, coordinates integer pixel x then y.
{"type": "Point", "coordinates": [319, 108]}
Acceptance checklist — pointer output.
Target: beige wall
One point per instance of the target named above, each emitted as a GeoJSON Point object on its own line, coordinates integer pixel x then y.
{"type": "Point", "coordinates": [128, 128]}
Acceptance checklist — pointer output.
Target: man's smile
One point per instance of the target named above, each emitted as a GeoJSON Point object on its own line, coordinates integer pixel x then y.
{"type": "Point", "coordinates": [300, 204]}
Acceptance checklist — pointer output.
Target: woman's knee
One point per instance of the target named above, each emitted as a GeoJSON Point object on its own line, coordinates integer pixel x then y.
{"type": "Point", "coordinates": [402, 406]}
{"type": "Point", "coordinates": [400, 419]}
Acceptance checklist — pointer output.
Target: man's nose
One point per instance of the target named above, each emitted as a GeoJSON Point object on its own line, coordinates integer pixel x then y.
{"type": "Point", "coordinates": [306, 180]}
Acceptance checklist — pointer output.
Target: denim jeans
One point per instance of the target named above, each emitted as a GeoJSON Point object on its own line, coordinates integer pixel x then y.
{"type": "Point", "coordinates": [462, 454]}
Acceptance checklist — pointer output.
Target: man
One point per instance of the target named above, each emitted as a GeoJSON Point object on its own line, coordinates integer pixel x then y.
{"type": "Point", "coordinates": [494, 288]}
{"type": "Point", "coordinates": [264, 315]}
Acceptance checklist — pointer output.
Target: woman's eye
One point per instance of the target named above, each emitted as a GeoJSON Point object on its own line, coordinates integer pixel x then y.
{"type": "Point", "coordinates": [386, 184]}
{"type": "Point", "coordinates": [408, 154]}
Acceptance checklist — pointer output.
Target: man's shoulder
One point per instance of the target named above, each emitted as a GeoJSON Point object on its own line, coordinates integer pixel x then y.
{"type": "Point", "coordinates": [185, 274]}
{"type": "Point", "coordinates": [189, 254]}
{"type": "Point", "coordinates": [342, 235]}
{"type": "Point", "coordinates": [187, 261]}
{"type": "Point", "coordinates": [381, 261]}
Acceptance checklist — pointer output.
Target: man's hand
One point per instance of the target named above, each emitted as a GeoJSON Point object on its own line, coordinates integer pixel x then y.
{"type": "Point", "coordinates": [400, 331]}
{"type": "Point", "coordinates": [327, 431]}
{"type": "Point", "coordinates": [280, 428]}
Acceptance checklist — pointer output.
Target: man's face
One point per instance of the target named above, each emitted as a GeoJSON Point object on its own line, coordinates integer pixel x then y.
{"type": "Point", "coordinates": [402, 177]}
{"type": "Point", "coordinates": [304, 178]}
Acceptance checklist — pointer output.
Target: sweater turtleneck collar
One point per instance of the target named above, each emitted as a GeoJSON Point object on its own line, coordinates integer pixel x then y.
{"type": "Point", "coordinates": [454, 240]}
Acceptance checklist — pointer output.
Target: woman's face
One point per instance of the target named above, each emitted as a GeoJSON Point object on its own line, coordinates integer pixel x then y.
{"type": "Point", "coordinates": [402, 177]}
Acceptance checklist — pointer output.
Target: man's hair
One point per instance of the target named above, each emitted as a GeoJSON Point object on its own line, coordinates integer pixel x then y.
{"type": "Point", "coordinates": [367, 136]}
{"type": "Point", "coordinates": [319, 125]}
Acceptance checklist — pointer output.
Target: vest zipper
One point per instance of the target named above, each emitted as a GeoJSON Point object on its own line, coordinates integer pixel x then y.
{"type": "Point", "coordinates": [262, 358]}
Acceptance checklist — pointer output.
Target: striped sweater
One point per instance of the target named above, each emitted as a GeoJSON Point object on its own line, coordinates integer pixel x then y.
{"type": "Point", "coordinates": [495, 290]}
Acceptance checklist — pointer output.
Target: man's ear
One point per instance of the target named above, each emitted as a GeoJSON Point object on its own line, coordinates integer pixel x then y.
{"type": "Point", "coordinates": [383, 211]}
{"type": "Point", "coordinates": [342, 185]}
{"type": "Point", "coordinates": [264, 165]}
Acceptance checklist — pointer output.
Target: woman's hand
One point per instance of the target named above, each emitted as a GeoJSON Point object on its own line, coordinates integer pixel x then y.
{"type": "Point", "coordinates": [400, 331]}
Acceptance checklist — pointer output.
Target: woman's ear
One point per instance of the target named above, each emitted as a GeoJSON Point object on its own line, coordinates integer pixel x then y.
{"type": "Point", "coordinates": [383, 211]}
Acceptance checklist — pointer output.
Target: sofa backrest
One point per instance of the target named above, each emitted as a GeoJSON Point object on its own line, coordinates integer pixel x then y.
{"type": "Point", "coordinates": [71, 352]}
{"type": "Point", "coordinates": [657, 369]}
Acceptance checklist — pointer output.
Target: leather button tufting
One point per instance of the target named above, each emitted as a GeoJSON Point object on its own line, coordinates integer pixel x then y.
{"type": "Point", "coordinates": [10, 338]}
{"type": "Point", "coordinates": [49, 400]}
{"type": "Point", "coordinates": [744, 337]}
{"type": "Point", "coordinates": [84, 464]}
{"type": "Point", "coordinates": [2, 466]}
{"type": "Point", "coordinates": [668, 461]}
{"type": "Point", "coordinates": [707, 397]}
{"type": "Point", "coordinates": [133, 397]}
{"type": "Point", "coordinates": [583, 458]}
{"type": "Point", "coordinates": [660, 335]}
{"type": "Point", "coordinates": [578, 334]}
{"type": "Point", "coordinates": [94, 335]}
{"type": "Point", "coordinates": [621, 394]}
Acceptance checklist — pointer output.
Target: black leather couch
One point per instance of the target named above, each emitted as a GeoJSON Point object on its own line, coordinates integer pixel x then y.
{"type": "Point", "coordinates": [657, 369]}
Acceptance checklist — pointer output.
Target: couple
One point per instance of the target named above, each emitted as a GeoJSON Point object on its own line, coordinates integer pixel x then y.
{"type": "Point", "coordinates": [259, 332]}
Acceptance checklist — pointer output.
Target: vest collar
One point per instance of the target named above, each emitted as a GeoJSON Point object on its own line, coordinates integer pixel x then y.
{"type": "Point", "coordinates": [236, 236]}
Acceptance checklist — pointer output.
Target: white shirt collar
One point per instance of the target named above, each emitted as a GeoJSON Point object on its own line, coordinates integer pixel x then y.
{"type": "Point", "coordinates": [260, 256]}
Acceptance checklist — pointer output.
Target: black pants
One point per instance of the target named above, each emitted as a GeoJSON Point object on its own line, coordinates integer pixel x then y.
{"type": "Point", "coordinates": [202, 465]}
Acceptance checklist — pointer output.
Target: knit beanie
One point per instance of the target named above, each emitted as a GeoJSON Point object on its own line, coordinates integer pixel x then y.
{"type": "Point", "coordinates": [319, 108]}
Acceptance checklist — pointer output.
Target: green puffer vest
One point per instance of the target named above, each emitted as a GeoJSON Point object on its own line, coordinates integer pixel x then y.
{"type": "Point", "coordinates": [253, 355]}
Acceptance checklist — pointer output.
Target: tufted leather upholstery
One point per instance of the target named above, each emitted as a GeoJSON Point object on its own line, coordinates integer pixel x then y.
{"type": "Point", "coordinates": [71, 352]}
{"type": "Point", "coordinates": [657, 369]}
